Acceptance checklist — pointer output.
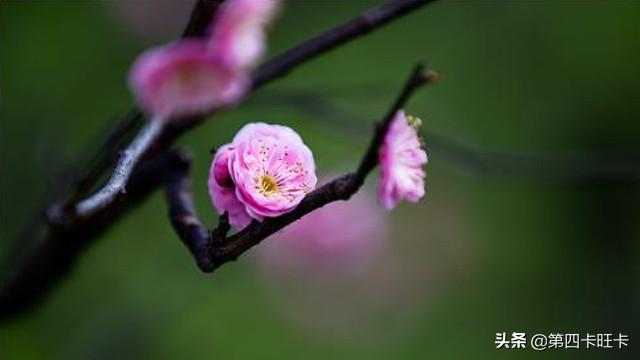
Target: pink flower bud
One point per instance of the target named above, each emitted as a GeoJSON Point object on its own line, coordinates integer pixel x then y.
{"type": "Point", "coordinates": [269, 171]}
{"type": "Point", "coordinates": [402, 159]}
{"type": "Point", "coordinates": [237, 33]}
{"type": "Point", "coordinates": [222, 190]}
{"type": "Point", "coordinates": [183, 79]}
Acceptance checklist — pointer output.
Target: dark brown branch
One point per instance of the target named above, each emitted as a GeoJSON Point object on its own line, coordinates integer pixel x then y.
{"type": "Point", "coordinates": [14, 293]}
{"type": "Point", "coordinates": [418, 78]}
{"type": "Point", "coordinates": [185, 219]}
{"type": "Point", "coordinates": [211, 252]}
{"type": "Point", "coordinates": [201, 15]}
{"type": "Point", "coordinates": [341, 188]}
{"type": "Point", "coordinates": [540, 167]}
{"type": "Point", "coordinates": [341, 34]}
{"type": "Point", "coordinates": [82, 183]}
{"type": "Point", "coordinates": [85, 178]}
{"type": "Point", "coordinates": [273, 69]}
{"type": "Point", "coordinates": [54, 256]}
{"type": "Point", "coordinates": [115, 187]}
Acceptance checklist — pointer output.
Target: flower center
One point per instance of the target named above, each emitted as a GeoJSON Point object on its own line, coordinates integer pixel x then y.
{"type": "Point", "coordinates": [189, 76]}
{"type": "Point", "coordinates": [268, 185]}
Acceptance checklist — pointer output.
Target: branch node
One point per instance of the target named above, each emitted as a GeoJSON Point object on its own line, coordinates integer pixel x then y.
{"type": "Point", "coordinates": [183, 159]}
{"type": "Point", "coordinates": [59, 216]}
{"type": "Point", "coordinates": [219, 234]}
{"type": "Point", "coordinates": [428, 77]}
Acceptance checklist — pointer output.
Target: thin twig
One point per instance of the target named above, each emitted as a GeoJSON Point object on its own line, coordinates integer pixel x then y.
{"type": "Point", "coordinates": [418, 78]}
{"type": "Point", "coordinates": [342, 188]}
{"type": "Point", "coordinates": [212, 250]}
{"type": "Point", "coordinates": [547, 168]}
{"type": "Point", "coordinates": [341, 34]}
{"type": "Point", "coordinates": [85, 178]}
{"type": "Point", "coordinates": [116, 187]}
{"type": "Point", "coordinates": [199, 20]}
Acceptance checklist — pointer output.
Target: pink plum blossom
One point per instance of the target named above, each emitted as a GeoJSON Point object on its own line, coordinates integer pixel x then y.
{"type": "Point", "coordinates": [402, 159]}
{"type": "Point", "coordinates": [341, 238]}
{"type": "Point", "coordinates": [237, 32]}
{"type": "Point", "coordinates": [272, 169]}
{"type": "Point", "coordinates": [196, 76]}
{"type": "Point", "coordinates": [268, 172]}
{"type": "Point", "coordinates": [183, 79]}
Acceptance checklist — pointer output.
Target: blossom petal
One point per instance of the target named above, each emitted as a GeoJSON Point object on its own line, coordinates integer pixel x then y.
{"type": "Point", "coordinates": [183, 79]}
{"type": "Point", "coordinates": [402, 159]}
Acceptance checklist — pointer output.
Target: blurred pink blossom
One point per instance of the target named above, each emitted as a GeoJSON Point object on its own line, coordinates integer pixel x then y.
{"type": "Point", "coordinates": [269, 171]}
{"type": "Point", "coordinates": [341, 238]}
{"type": "Point", "coordinates": [402, 159]}
{"type": "Point", "coordinates": [196, 76]}
{"type": "Point", "coordinates": [238, 32]}
{"type": "Point", "coordinates": [182, 79]}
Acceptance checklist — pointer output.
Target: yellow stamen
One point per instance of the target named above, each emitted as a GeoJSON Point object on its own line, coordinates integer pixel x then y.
{"type": "Point", "coordinates": [414, 121]}
{"type": "Point", "coordinates": [268, 185]}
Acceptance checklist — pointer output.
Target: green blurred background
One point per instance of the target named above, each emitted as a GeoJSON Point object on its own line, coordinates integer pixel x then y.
{"type": "Point", "coordinates": [527, 246]}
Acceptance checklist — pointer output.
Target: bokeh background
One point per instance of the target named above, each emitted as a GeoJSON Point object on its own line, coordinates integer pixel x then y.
{"type": "Point", "coordinates": [530, 223]}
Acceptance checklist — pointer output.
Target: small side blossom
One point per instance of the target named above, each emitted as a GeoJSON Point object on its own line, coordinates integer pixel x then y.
{"type": "Point", "coordinates": [183, 79]}
{"type": "Point", "coordinates": [268, 172]}
{"type": "Point", "coordinates": [402, 160]}
{"type": "Point", "coordinates": [238, 32]}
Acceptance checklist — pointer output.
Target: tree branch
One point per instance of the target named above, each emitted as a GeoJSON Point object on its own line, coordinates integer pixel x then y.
{"type": "Point", "coordinates": [129, 158]}
{"type": "Point", "coordinates": [418, 78]}
{"type": "Point", "coordinates": [55, 255]}
{"type": "Point", "coordinates": [539, 167]}
{"type": "Point", "coordinates": [37, 272]}
{"type": "Point", "coordinates": [201, 15]}
{"type": "Point", "coordinates": [199, 20]}
{"type": "Point", "coordinates": [212, 250]}
{"type": "Point", "coordinates": [341, 34]}
{"type": "Point", "coordinates": [184, 218]}
{"type": "Point", "coordinates": [272, 70]}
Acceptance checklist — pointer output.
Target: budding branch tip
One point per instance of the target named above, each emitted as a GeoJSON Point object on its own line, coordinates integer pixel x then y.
{"type": "Point", "coordinates": [427, 77]}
